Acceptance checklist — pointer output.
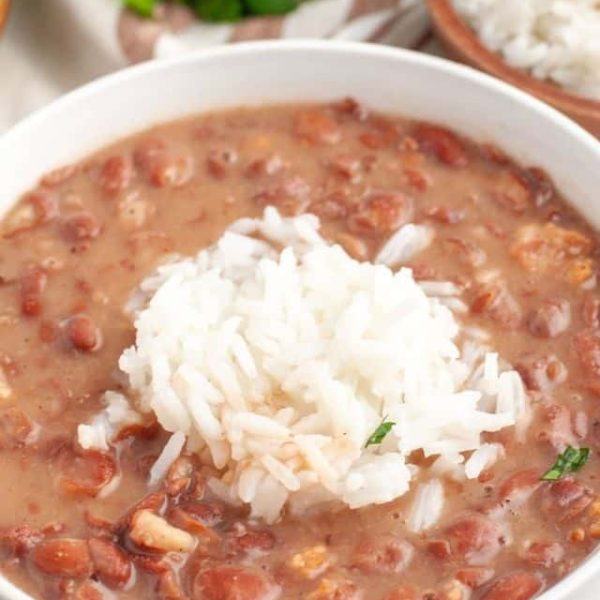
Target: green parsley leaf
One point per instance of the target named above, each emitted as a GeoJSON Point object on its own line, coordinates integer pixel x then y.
{"type": "Point", "coordinates": [144, 8]}
{"type": "Point", "coordinates": [382, 430]}
{"type": "Point", "coordinates": [270, 7]}
{"type": "Point", "coordinates": [219, 11]}
{"type": "Point", "coordinates": [571, 460]}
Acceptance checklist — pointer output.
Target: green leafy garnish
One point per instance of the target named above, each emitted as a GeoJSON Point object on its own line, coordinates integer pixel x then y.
{"type": "Point", "coordinates": [382, 430]}
{"type": "Point", "coordinates": [219, 11]}
{"type": "Point", "coordinates": [571, 460]}
{"type": "Point", "coordinates": [270, 7]}
{"type": "Point", "coordinates": [145, 8]}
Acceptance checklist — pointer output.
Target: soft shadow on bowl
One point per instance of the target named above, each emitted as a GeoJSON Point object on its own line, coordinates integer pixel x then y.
{"type": "Point", "coordinates": [464, 45]}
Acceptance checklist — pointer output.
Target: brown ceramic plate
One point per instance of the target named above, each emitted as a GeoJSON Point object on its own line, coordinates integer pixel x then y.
{"type": "Point", "coordinates": [464, 45]}
{"type": "Point", "coordinates": [3, 13]}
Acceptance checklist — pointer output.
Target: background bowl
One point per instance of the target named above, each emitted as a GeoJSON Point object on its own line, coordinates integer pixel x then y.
{"type": "Point", "coordinates": [384, 78]}
{"type": "Point", "coordinates": [463, 44]}
{"type": "Point", "coordinates": [4, 5]}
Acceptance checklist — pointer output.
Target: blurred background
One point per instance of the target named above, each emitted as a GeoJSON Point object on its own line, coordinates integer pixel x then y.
{"type": "Point", "coordinates": [52, 46]}
{"type": "Point", "coordinates": [549, 48]}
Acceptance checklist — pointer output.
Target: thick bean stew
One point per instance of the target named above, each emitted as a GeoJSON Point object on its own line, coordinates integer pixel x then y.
{"type": "Point", "coordinates": [80, 524]}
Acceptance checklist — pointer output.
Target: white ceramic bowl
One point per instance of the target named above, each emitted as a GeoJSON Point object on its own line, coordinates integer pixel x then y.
{"type": "Point", "coordinates": [385, 79]}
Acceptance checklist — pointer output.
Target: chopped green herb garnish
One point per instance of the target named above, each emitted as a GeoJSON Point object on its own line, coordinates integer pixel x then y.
{"type": "Point", "coordinates": [571, 460]}
{"type": "Point", "coordinates": [270, 7]}
{"type": "Point", "coordinates": [219, 11]}
{"type": "Point", "coordinates": [382, 430]}
{"type": "Point", "coordinates": [145, 8]}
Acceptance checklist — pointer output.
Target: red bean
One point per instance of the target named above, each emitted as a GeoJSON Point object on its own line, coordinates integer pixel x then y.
{"type": "Point", "coordinates": [16, 428]}
{"type": "Point", "coordinates": [497, 303]}
{"type": "Point", "coordinates": [84, 334]}
{"type": "Point", "coordinates": [443, 144]}
{"type": "Point", "coordinates": [550, 319]}
{"type": "Point", "coordinates": [544, 554]}
{"type": "Point", "coordinates": [227, 582]}
{"type": "Point", "coordinates": [351, 107]}
{"type": "Point", "coordinates": [336, 589]}
{"type": "Point", "coordinates": [404, 592]}
{"type": "Point", "coordinates": [445, 215]}
{"type": "Point", "coordinates": [587, 345]}
{"type": "Point", "coordinates": [346, 167]}
{"type": "Point", "coordinates": [249, 541]}
{"type": "Point", "coordinates": [35, 209]}
{"type": "Point", "coordinates": [475, 538]}
{"type": "Point", "coordinates": [518, 487]}
{"type": "Point", "coordinates": [169, 588]}
{"type": "Point", "coordinates": [32, 284]}
{"type": "Point", "coordinates": [63, 557]}
{"type": "Point", "coordinates": [209, 513]}
{"type": "Point", "coordinates": [353, 245]}
{"type": "Point", "coordinates": [179, 476]}
{"type": "Point", "coordinates": [557, 426]}
{"type": "Point", "coordinates": [382, 133]}
{"type": "Point", "coordinates": [317, 127]}
{"type": "Point", "coordinates": [291, 197]}
{"type": "Point", "coordinates": [154, 565]}
{"type": "Point", "coordinates": [515, 586]}
{"type": "Point", "coordinates": [384, 553]}
{"type": "Point", "coordinates": [474, 577]}
{"type": "Point", "coordinates": [264, 167]}
{"type": "Point", "coordinates": [116, 174]}
{"type": "Point", "coordinates": [466, 251]}
{"type": "Point", "coordinates": [590, 312]}
{"type": "Point", "coordinates": [219, 162]}
{"type": "Point", "coordinates": [86, 473]}
{"type": "Point", "coordinates": [172, 171]}
{"type": "Point", "coordinates": [18, 541]}
{"type": "Point", "coordinates": [333, 207]}
{"type": "Point", "coordinates": [566, 499]}
{"type": "Point", "coordinates": [512, 192]}
{"type": "Point", "coordinates": [440, 549]}
{"type": "Point", "coordinates": [160, 166]}
{"type": "Point", "coordinates": [87, 591]}
{"type": "Point", "coordinates": [381, 213]}
{"type": "Point", "coordinates": [147, 152]}
{"type": "Point", "coordinates": [59, 176]}
{"type": "Point", "coordinates": [542, 186]}
{"type": "Point", "coordinates": [541, 373]}
{"type": "Point", "coordinates": [417, 179]}
{"type": "Point", "coordinates": [80, 227]}
{"type": "Point", "coordinates": [111, 564]}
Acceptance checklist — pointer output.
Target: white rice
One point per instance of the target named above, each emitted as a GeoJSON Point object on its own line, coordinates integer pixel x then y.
{"type": "Point", "coordinates": [278, 355]}
{"type": "Point", "coordinates": [556, 40]}
{"type": "Point", "coordinates": [427, 506]}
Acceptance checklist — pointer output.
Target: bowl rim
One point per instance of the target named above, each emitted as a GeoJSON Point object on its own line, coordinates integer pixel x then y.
{"type": "Point", "coordinates": [455, 31]}
{"type": "Point", "coordinates": [591, 565]}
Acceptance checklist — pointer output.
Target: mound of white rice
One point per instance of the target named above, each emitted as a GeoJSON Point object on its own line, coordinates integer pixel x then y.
{"type": "Point", "coordinates": [278, 356]}
{"type": "Point", "coordinates": [557, 40]}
